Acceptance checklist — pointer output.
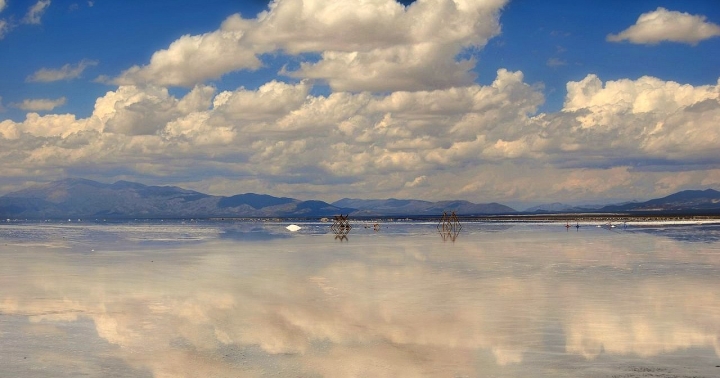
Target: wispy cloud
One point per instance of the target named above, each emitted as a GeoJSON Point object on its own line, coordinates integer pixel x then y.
{"type": "Point", "coordinates": [664, 25]}
{"type": "Point", "coordinates": [66, 72]}
{"type": "Point", "coordinates": [32, 17]}
{"type": "Point", "coordinates": [4, 28]}
{"type": "Point", "coordinates": [556, 62]}
{"type": "Point", "coordinates": [36, 11]}
{"type": "Point", "coordinates": [40, 104]}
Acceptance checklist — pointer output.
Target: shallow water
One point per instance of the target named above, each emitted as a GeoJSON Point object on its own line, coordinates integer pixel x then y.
{"type": "Point", "coordinates": [251, 299]}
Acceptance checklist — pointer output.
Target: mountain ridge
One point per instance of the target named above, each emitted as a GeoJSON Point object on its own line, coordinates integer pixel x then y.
{"type": "Point", "coordinates": [397, 207]}
{"type": "Point", "coordinates": [698, 200]}
{"type": "Point", "coordinates": [83, 198]}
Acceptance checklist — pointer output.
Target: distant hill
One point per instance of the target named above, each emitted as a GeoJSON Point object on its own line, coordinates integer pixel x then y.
{"type": "Point", "coordinates": [554, 207]}
{"type": "Point", "coordinates": [557, 207]}
{"type": "Point", "coordinates": [396, 207]}
{"type": "Point", "coordinates": [684, 201]}
{"type": "Point", "coordinates": [80, 198]}
{"type": "Point", "coordinates": [687, 201]}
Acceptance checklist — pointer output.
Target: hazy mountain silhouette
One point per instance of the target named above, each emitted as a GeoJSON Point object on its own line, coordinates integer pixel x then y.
{"type": "Point", "coordinates": [81, 198]}
{"type": "Point", "coordinates": [396, 207]}
{"type": "Point", "coordinates": [684, 201]}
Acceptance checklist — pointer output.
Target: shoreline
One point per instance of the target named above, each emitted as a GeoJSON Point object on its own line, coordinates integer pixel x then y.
{"type": "Point", "coordinates": [508, 218]}
{"type": "Point", "coordinates": [593, 217]}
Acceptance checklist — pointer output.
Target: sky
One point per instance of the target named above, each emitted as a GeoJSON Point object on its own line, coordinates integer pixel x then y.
{"type": "Point", "coordinates": [514, 101]}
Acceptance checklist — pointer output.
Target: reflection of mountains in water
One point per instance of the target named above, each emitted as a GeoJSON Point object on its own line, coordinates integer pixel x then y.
{"type": "Point", "coordinates": [684, 233]}
{"type": "Point", "coordinates": [251, 232]}
{"type": "Point", "coordinates": [495, 227]}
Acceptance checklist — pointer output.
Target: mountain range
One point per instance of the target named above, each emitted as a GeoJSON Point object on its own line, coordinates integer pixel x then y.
{"type": "Point", "coordinates": [686, 201]}
{"type": "Point", "coordinates": [81, 198]}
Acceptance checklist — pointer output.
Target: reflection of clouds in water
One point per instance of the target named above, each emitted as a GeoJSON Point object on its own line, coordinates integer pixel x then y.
{"type": "Point", "coordinates": [385, 307]}
{"type": "Point", "coordinates": [659, 315]}
{"type": "Point", "coordinates": [59, 349]}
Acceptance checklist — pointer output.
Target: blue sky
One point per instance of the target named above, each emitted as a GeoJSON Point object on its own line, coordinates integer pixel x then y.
{"type": "Point", "coordinates": [513, 101]}
{"type": "Point", "coordinates": [558, 41]}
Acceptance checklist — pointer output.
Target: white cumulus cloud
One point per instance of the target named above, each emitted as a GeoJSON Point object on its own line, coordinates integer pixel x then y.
{"type": "Point", "coordinates": [194, 59]}
{"type": "Point", "coordinates": [647, 121]}
{"type": "Point", "coordinates": [665, 25]}
{"type": "Point", "coordinates": [132, 110]}
{"type": "Point", "coordinates": [375, 45]}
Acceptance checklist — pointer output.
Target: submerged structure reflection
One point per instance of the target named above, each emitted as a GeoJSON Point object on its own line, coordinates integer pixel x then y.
{"type": "Point", "coordinates": [449, 235]}
{"type": "Point", "coordinates": [449, 223]}
{"type": "Point", "coordinates": [449, 226]}
{"type": "Point", "coordinates": [341, 227]}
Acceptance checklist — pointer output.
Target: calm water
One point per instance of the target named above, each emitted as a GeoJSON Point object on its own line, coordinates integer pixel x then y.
{"type": "Point", "coordinates": [232, 299]}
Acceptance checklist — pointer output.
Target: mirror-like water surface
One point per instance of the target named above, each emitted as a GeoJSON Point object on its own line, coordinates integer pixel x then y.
{"type": "Point", "coordinates": [232, 299]}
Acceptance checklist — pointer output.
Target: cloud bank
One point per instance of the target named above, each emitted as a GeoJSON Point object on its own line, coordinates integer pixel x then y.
{"type": "Point", "coordinates": [610, 136]}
